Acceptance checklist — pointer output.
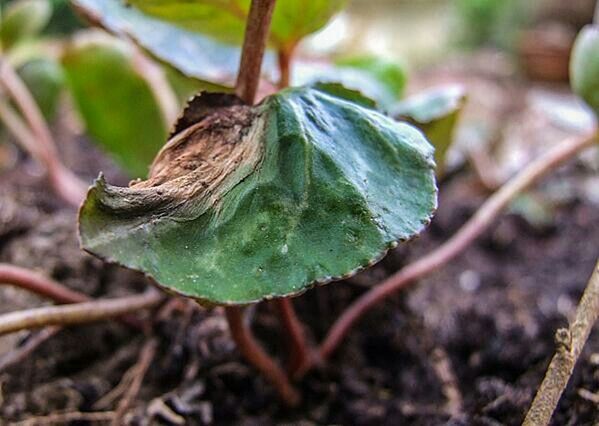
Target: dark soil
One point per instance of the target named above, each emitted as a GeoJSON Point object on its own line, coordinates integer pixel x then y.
{"type": "Point", "coordinates": [466, 346]}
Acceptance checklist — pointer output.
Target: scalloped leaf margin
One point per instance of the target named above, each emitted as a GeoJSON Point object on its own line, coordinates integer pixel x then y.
{"type": "Point", "coordinates": [253, 203]}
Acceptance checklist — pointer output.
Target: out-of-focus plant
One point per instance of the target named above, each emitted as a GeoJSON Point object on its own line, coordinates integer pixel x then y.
{"type": "Point", "coordinates": [492, 22]}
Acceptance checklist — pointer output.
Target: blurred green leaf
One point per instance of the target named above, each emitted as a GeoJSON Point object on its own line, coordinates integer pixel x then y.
{"type": "Point", "coordinates": [225, 20]}
{"type": "Point", "coordinates": [435, 112]}
{"type": "Point", "coordinates": [45, 79]}
{"type": "Point", "coordinates": [584, 66]}
{"type": "Point", "coordinates": [64, 20]}
{"type": "Point", "coordinates": [340, 91]}
{"type": "Point", "coordinates": [492, 21]}
{"type": "Point", "coordinates": [115, 102]}
{"type": "Point", "coordinates": [257, 202]}
{"type": "Point", "coordinates": [391, 74]}
{"type": "Point", "coordinates": [23, 19]}
{"type": "Point", "coordinates": [376, 78]}
{"type": "Point", "coordinates": [193, 54]}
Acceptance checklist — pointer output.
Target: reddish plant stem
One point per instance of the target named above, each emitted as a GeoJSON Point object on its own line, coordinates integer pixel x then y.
{"type": "Point", "coordinates": [36, 283]}
{"type": "Point", "coordinates": [77, 313]}
{"type": "Point", "coordinates": [299, 351]}
{"type": "Point", "coordinates": [481, 220]}
{"type": "Point", "coordinates": [285, 56]}
{"type": "Point", "coordinates": [21, 277]}
{"type": "Point", "coordinates": [63, 181]}
{"type": "Point", "coordinates": [254, 44]}
{"type": "Point", "coordinates": [256, 355]}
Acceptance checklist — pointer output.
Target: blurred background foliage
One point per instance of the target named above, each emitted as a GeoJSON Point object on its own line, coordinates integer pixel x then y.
{"type": "Point", "coordinates": [127, 95]}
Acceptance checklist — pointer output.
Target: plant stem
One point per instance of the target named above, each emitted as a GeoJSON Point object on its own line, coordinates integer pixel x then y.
{"type": "Point", "coordinates": [23, 278]}
{"type": "Point", "coordinates": [569, 346]}
{"type": "Point", "coordinates": [42, 145]}
{"type": "Point", "coordinates": [77, 313]}
{"type": "Point", "coordinates": [254, 44]}
{"type": "Point", "coordinates": [481, 220]}
{"type": "Point", "coordinates": [284, 56]}
{"type": "Point", "coordinates": [256, 355]}
{"type": "Point", "coordinates": [299, 351]}
{"type": "Point", "coordinates": [597, 13]}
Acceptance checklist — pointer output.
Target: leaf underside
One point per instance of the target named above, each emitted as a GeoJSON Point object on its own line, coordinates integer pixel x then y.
{"type": "Point", "coordinates": [251, 203]}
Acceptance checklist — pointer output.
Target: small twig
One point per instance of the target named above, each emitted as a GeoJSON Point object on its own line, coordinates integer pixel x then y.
{"type": "Point", "coordinates": [63, 181]}
{"type": "Point", "coordinates": [299, 350]}
{"type": "Point", "coordinates": [474, 227]}
{"type": "Point", "coordinates": [569, 346]}
{"type": "Point", "coordinates": [138, 372]}
{"type": "Point", "coordinates": [256, 355]}
{"type": "Point", "coordinates": [254, 44]}
{"type": "Point", "coordinates": [78, 313]}
{"type": "Point", "coordinates": [66, 418]}
{"type": "Point", "coordinates": [24, 278]}
{"type": "Point", "coordinates": [597, 13]}
{"type": "Point", "coordinates": [449, 384]}
{"type": "Point", "coordinates": [19, 354]}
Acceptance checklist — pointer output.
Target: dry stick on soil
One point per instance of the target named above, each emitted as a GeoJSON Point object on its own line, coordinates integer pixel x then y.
{"type": "Point", "coordinates": [77, 313]}
{"type": "Point", "coordinates": [66, 418]}
{"type": "Point", "coordinates": [63, 181]}
{"type": "Point", "coordinates": [138, 372]}
{"type": "Point", "coordinates": [19, 354]}
{"type": "Point", "coordinates": [481, 220]}
{"type": "Point", "coordinates": [569, 346]}
{"type": "Point", "coordinates": [254, 43]}
{"type": "Point", "coordinates": [258, 357]}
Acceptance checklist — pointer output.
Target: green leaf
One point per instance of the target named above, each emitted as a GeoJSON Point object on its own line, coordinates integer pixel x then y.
{"type": "Point", "coordinates": [391, 74]}
{"type": "Point", "coordinates": [193, 54]}
{"type": "Point", "coordinates": [435, 112]}
{"type": "Point", "coordinates": [379, 83]}
{"type": "Point", "coordinates": [44, 78]}
{"type": "Point", "coordinates": [252, 203]}
{"type": "Point", "coordinates": [584, 66]}
{"type": "Point", "coordinates": [225, 20]}
{"type": "Point", "coordinates": [23, 19]}
{"type": "Point", "coordinates": [115, 102]}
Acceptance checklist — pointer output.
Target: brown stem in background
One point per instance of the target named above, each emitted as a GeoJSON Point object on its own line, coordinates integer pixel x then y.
{"type": "Point", "coordinates": [33, 342]}
{"type": "Point", "coordinates": [254, 44]}
{"type": "Point", "coordinates": [64, 182]}
{"type": "Point", "coordinates": [481, 220]}
{"type": "Point", "coordinates": [285, 56]}
{"type": "Point", "coordinates": [256, 355]}
{"type": "Point", "coordinates": [299, 351]}
{"type": "Point", "coordinates": [77, 313]}
{"type": "Point", "coordinates": [24, 278]}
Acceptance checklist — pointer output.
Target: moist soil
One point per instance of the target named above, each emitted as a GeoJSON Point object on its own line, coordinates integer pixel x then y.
{"type": "Point", "coordinates": [468, 345]}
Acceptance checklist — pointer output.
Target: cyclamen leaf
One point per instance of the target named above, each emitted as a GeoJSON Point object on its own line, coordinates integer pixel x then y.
{"type": "Point", "coordinates": [435, 112]}
{"type": "Point", "coordinates": [23, 19]}
{"type": "Point", "coordinates": [584, 66]}
{"type": "Point", "coordinates": [225, 20]}
{"type": "Point", "coordinates": [193, 54]}
{"type": "Point", "coordinates": [115, 102]}
{"type": "Point", "coordinates": [252, 203]}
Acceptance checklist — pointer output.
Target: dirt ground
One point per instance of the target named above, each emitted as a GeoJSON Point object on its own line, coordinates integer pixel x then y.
{"type": "Point", "coordinates": [466, 346]}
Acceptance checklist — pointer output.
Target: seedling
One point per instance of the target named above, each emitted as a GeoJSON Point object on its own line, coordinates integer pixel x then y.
{"type": "Point", "coordinates": [247, 203]}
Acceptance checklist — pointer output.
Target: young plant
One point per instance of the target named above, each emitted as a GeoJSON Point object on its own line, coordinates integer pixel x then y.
{"type": "Point", "coordinates": [247, 203]}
